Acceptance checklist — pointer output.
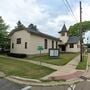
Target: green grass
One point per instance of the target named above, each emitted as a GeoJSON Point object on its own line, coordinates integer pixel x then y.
{"type": "Point", "coordinates": [23, 69]}
{"type": "Point", "coordinates": [62, 60]}
{"type": "Point", "coordinates": [82, 65]}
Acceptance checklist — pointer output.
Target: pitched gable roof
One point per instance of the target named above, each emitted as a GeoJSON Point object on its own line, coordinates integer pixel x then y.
{"type": "Point", "coordinates": [73, 39]}
{"type": "Point", "coordinates": [36, 32]}
{"type": "Point", "coordinates": [64, 29]}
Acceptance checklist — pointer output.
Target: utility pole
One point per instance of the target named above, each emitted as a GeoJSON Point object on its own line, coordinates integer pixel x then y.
{"type": "Point", "coordinates": [80, 31]}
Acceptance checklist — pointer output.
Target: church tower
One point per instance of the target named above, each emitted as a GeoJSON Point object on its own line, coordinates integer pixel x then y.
{"type": "Point", "coordinates": [64, 34]}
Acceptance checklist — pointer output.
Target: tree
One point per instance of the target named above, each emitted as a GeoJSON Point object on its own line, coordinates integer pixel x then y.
{"type": "Point", "coordinates": [74, 30]}
{"type": "Point", "coordinates": [33, 27]}
{"type": "Point", "coordinates": [3, 34]}
{"type": "Point", "coordinates": [40, 48]}
{"type": "Point", "coordinates": [19, 26]}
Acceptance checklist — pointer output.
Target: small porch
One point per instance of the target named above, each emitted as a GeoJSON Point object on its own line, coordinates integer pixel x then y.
{"type": "Point", "coordinates": [62, 47]}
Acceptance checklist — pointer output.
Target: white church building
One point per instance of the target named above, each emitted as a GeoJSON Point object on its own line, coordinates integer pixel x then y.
{"type": "Point", "coordinates": [26, 41]}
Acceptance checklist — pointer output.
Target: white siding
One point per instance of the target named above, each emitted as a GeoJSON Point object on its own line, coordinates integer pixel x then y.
{"type": "Point", "coordinates": [36, 41]}
{"type": "Point", "coordinates": [75, 49]}
{"type": "Point", "coordinates": [33, 41]}
{"type": "Point", "coordinates": [20, 48]}
{"type": "Point", "coordinates": [64, 38]}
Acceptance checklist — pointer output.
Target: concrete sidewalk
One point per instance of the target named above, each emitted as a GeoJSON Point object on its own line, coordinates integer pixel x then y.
{"type": "Point", "coordinates": [87, 73]}
{"type": "Point", "coordinates": [66, 72]}
{"type": "Point", "coordinates": [63, 72]}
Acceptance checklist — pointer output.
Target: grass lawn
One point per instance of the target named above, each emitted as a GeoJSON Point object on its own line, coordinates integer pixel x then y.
{"type": "Point", "coordinates": [23, 69]}
{"type": "Point", "coordinates": [82, 65]}
{"type": "Point", "coordinates": [62, 60]}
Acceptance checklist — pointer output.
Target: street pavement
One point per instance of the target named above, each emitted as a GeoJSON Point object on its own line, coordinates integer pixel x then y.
{"type": "Point", "coordinates": [63, 87]}
{"type": "Point", "coordinates": [85, 85]}
{"type": "Point", "coordinates": [7, 85]}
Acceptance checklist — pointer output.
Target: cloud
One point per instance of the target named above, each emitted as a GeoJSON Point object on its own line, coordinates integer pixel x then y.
{"type": "Point", "coordinates": [48, 15]}
{"type": "Point", "coordinates": [25, 10]}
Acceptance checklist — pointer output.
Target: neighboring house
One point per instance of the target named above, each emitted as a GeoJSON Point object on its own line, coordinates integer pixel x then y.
{"type": "Point", "coordinates": [69, 43]}
{"type": "Point", "coordinates": [27, 41]}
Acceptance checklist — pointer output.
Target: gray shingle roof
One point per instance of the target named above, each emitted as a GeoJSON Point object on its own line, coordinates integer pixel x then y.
{"type": "Point", "coordinates": [38, 33]}
{"type": "Point", "coordinates": [73, 39]}
{"type": "Point", "coordinates": [64, 29]}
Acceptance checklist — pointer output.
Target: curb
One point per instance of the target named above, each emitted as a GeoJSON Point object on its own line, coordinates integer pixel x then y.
{"type": "Point", "coordinates": [52, 83]}
{"type": "Point", "coordinates": [25, 79]}
{"type": "Point", "coordinates": [2, 75]}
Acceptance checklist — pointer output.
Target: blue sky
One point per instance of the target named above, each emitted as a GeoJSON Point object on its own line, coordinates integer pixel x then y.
{"type": "Point", "coordinates": [48, 15]}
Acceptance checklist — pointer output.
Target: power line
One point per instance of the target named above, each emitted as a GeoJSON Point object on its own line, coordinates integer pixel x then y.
{"type": "Point", "coordinates": [67, 9]}
{"type": "Point", "coordinates": [70, 9]}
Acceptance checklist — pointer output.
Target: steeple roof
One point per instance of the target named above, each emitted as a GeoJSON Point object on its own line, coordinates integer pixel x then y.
{"type": "Point", "coordinates": [64, 29]}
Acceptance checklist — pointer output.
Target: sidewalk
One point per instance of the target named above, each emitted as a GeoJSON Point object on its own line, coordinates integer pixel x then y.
{"type": "Point", "coordinates": [87, 73]}
{"type": "Point", "coordinates": [66, 72]}
{"type": "Point", "coordinates": [63, 72]}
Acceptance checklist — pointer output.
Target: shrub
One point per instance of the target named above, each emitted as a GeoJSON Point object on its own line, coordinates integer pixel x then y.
{"type": "Point", "coordinates": [17, 55]}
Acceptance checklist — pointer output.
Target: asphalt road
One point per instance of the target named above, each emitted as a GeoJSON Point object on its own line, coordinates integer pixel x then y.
{"type": "Point", "coordinates": [85, 85]}
{"type": "Point", "coordinates": [7, 85]}
{"type": "Point", "coordinates": [50, 88]}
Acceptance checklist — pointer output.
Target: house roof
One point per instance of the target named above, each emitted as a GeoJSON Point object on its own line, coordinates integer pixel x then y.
{"type": "Point", "coordinates": [38, 33]}
{"type": "Point", "coordinates": [73, 39]}
{"type": "Point", "coordinates": [64, 29]}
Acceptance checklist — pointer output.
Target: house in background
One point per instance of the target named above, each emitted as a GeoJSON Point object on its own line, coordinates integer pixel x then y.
{"type": "Point", "coordinates": [69, 43]}
{"type": "Point", "coordinates": [27, 40]}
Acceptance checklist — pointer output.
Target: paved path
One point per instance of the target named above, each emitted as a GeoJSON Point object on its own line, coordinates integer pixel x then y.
{"type": "Point", "coordinates": [66, 72]}
{"type": "Point", "coordinates": [63, 72]}
{"type": "Point", "coordinates": [87, 73]}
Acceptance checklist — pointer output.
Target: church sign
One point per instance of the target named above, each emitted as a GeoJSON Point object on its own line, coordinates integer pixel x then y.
{"type": "Point", "coordinates": [54, 53]}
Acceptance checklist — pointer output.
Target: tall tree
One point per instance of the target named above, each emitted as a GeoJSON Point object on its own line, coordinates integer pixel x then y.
{"type": "Point", "coordinates": [74, 30]}
{"type": "Point", "coordinates": [3, 33]}
{"type": "Point", "coordinates": [33, 27]}
{"type": "Point", "coordinates": [19, 26]}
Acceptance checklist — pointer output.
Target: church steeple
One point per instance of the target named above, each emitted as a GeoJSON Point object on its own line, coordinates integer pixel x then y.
{"type": "Point", "coordinates": [64, 29]}
{"type": "Point", "coordinates": [64, 34]}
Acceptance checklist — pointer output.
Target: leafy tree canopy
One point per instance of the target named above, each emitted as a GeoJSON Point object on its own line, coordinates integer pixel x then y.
{"type": "Point", "coordinates": [3, 32]}
{"type": "Point", "coordinates": [74, 30]}
{"type": "Point", "coordinates": [19, 26]}
{"type": "Point", "coordinates": [33, 27]}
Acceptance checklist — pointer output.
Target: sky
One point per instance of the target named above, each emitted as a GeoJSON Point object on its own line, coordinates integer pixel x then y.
{"type": "Point", "coordinates": [48, 15]}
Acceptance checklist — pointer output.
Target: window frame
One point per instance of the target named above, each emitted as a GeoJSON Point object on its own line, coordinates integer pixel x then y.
{"type": "Point", "coordinates": [56, 44]}
{"type": "Point", "coordinates": [52, 43]}
{"type": "Point", "coordinates": [63, 33]}
{"type": "Point", "coordinates": [18, 41]}
{"type": "Point", "coordinates": [71, 45]}
{"type": "Point", "coordinates": [25, 45]}
{"type": "Point", "coordinates": [45, 43]}
{"type": "Point", "coordinates": [12, 45]}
